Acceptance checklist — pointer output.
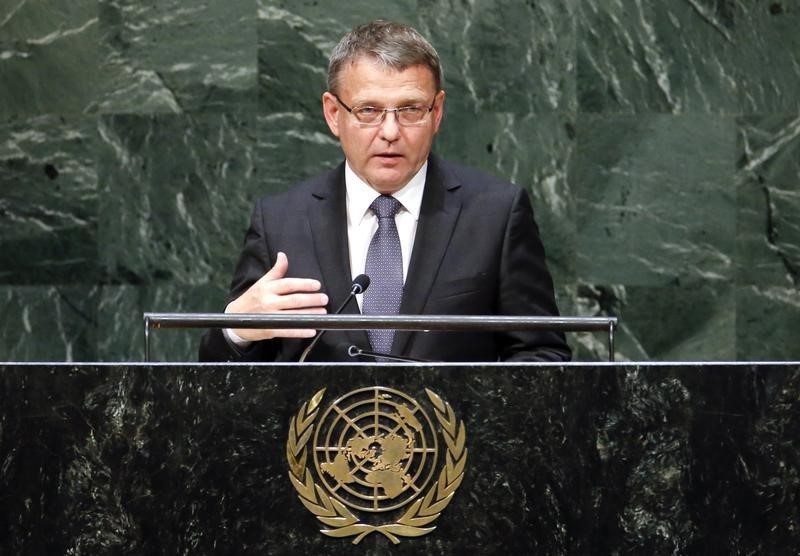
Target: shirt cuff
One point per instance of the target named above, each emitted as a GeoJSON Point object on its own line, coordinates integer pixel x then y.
{"type": "Point", "coordinates": [235, 339]}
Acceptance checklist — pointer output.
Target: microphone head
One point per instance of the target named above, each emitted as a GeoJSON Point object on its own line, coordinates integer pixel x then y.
{"type": "Point", "coordinates": [360, 284]}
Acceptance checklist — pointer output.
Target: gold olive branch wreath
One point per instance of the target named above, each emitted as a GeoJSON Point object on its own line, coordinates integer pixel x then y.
{"type": "Point", "coordinates": [340, 520]}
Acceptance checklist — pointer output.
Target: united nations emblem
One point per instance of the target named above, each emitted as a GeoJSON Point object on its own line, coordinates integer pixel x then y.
{"type": "Point", "coordinates": [375, 454]}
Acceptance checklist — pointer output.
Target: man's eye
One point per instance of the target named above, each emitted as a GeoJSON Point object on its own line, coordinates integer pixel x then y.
{"type": "Point", "coordinates": [366, 111]}
{"type": "Point", "coordinates": [412, 109]}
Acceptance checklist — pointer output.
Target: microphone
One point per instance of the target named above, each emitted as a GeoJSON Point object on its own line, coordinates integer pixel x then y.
{"type": "Point", "coordinates": [355, 351]}
{"type": "Point", "coordinates": [359, 285]}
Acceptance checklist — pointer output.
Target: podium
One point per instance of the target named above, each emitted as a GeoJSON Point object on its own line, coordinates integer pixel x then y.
{"type": "Point", "coordinates": [560, 459]}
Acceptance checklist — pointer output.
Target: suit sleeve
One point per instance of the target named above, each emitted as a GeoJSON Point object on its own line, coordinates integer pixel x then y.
{"type": "Point", "coordinates": [254, 261]}
{"type": "Point", "coordinates": [526, 288]}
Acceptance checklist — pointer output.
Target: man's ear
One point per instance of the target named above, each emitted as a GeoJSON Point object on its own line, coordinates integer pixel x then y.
{"type": "Point", "coordinates": [331, 108]}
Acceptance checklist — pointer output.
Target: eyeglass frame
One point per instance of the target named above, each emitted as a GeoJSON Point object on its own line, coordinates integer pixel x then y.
{"type": "Point", "coordinates": [384, 111]}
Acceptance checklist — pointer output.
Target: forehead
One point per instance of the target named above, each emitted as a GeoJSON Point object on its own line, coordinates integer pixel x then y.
{"type": "Point", "coordinates": [367, 81]}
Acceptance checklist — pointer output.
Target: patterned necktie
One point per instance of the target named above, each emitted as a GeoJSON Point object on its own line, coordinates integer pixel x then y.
{"type": "Point", "coordinates": [385, 269]}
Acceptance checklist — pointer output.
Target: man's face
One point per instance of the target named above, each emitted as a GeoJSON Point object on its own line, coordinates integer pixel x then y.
{"type": "Point", "coordinates": [388, 155]}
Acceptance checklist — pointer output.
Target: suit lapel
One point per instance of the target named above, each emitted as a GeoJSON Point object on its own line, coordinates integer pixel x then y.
{"type": "Point", "coordinates": [327, 217]}
{"type": "Point", "coordinates": [441, 204]}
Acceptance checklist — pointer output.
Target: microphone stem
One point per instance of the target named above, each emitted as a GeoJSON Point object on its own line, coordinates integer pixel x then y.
{"type": "Point", "coordinates": [354, 351]}
{"type": "Point", "coordinates": [356, 289]}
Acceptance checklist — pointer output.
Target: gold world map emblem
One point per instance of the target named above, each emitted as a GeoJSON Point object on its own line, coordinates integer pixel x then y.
{"type": "Point", "coordinates": [375, 454]}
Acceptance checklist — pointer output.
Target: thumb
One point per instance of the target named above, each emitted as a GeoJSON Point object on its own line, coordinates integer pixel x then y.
{"type": "Point", "coordinates": [280, 267]}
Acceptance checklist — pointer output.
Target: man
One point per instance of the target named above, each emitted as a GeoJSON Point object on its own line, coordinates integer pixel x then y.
{"type": "Point", "coordinates": [434, 238]}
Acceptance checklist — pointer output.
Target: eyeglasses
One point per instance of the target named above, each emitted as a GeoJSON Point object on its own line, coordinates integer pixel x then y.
{"type": "Point", "coordinates": [372, 116]}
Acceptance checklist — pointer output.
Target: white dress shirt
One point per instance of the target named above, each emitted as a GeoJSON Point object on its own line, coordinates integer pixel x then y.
{"type": "Point", "coordinates": [362, 224]}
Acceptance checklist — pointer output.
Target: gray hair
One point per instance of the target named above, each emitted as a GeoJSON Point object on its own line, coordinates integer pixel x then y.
{"type": "Point", "coordinates": [392, 45]}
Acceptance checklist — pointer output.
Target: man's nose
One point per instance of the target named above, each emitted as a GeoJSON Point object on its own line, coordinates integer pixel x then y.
{"type": "Point", "coordinates": [390, 127]}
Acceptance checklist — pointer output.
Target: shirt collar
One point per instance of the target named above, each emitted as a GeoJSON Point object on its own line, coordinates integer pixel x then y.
{"type": "Point", "coordinates": [360, 195]}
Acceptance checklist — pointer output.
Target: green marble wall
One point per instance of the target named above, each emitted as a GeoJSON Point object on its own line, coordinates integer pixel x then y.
{"type": "Point", "coordinates": [660, 141]}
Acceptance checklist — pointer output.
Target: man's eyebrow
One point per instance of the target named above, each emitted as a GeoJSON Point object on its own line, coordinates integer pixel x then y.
{"type": "Point", "coordinates": [383, 104]}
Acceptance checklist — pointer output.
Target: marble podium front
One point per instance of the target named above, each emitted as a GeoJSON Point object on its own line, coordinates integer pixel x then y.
{"type": "Point", "coordinates": [563, 459]}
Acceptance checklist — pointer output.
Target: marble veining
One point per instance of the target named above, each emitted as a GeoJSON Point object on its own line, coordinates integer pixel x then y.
{"type": "Point", "coordinates": [562, 460]}
{"type": "Point", "coordinates": [658, 141]}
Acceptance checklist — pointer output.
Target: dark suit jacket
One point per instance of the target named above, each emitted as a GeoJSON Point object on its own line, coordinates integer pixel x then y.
{"type": "Point", "coordinates": [477, 252]}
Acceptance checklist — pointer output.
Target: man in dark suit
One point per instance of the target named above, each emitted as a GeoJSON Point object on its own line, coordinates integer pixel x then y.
{"type": "Point", "coordinates": [434, 237]}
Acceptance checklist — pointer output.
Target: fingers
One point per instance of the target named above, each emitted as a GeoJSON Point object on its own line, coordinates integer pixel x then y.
{"type": "Point", "coordinates": [266, 300]}
{"type": "Point", "coordinates": [285, 286]}
{"type": "Point", "coordinates": [299, 301]}
{"type": "Point", "coordinates": [253, 334]}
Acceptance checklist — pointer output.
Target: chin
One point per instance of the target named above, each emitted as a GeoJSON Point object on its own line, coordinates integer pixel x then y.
{"type": "Point", "coordinates": [388, 185]}
{"type": "Point", "coordinates": [386, 189]}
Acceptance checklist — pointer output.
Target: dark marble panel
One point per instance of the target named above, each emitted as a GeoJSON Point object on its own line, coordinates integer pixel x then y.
{"type": "Point", "coordinates": [694, 56]}
{"type": "Point", "coordinates": [561, 460]}
{"type": "Point", "coordinates": [174, 196]}
{"type": "Point", "coordinates": [49, 57]}
{"type": "Point", "coordinates": [767, 321]}
{"type": "Point", "coordinates": [292, 60]}
{"type": "Point", "coordinates": [643, 439]}
{"type": "Point", "coordinates": [503, 56]}
{"type": "Point", "coordinates": [655, 198]}
{"type": "Point", "coordinates": [695, 322]}
{"type": "Point", "coordinates": [174, 56]}
{"type": "Point", "coordinates": [120, 328]}
{"type": "Point", "coordinates": [752, 465]}
{"type": "Point", "coordinates": [48, 201]}
{"type": "Point", "coordinates": [292, 147]}
{"type": "Point", "coordinates": [768, 201]}
{"type": "Point", "coordinates": [48, 323]}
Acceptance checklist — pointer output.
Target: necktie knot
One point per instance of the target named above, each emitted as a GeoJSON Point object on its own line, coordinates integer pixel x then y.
{"type": "Point", "coordinates": [385, 206]}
